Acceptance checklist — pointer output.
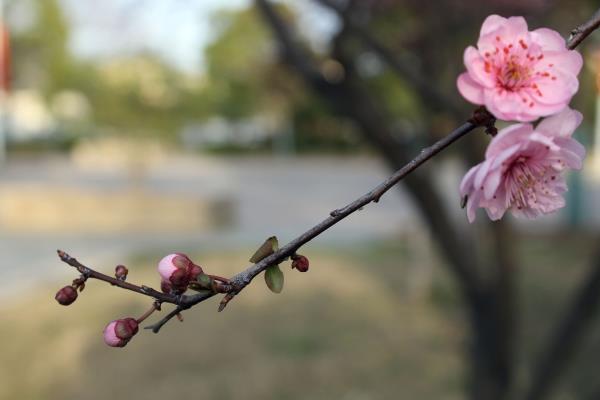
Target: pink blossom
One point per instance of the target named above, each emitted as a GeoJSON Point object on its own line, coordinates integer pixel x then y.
{"type": "Point", "coordinates": [522, 168]}
{"type": "Point", "coordinates": [519, 75]}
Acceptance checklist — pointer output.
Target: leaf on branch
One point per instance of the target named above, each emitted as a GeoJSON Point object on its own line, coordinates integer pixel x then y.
{"type": "Point", "coordinates": [269, 247]}
{"type": "Point", "coordinates": [201, 290]}
{"type": "Point", "coordinates": [203, 281]}
{"type": "Point", "coordinates": [274, 278]}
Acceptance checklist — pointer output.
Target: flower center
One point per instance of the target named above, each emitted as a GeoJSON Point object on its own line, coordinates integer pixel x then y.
{"type": "Point", "coordinates": [529, 184]}
{"type": "Point", "coordinates": [525, 182]}
{"type": "Point", "coordinates": [512, 76]}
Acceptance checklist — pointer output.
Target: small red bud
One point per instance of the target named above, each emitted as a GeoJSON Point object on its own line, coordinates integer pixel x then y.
{"type": "Point", "coordinates": [121, 272]}
{"type": "Point", "coordinates": [66, 295]}
{"type": "Point", "coordinates": [300, 263]}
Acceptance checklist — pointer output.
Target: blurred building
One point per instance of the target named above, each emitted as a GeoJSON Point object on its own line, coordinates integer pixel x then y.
{"type": "Point", "coordinates": [218, 131]}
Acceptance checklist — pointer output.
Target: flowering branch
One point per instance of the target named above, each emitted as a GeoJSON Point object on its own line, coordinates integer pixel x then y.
{"type": "Point", "coordinates": [244, 278]}
{"type": "Point", "coordinates": [240, 281]}
{"type": "Point", "coordinates": [351, 99]}
{"type": "Point", "coordinates": [179, 273]}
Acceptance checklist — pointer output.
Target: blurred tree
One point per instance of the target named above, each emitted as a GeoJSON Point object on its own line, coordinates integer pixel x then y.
{"type": "Point", "coordinates": [41, 52]}
{"type": "Point", "coordinates": [245, 77]}
{"type": "Point", "coordinates": [413, 80]}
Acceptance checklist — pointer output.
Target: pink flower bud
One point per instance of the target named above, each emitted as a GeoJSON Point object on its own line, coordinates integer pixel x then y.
{"type": "Point", "coordinates": [179, 270]}
{"type": "Point", "coordinates": [66, 295]}
{"type": "Point", "coordinates": [121, 272]}
{"type": "Point", "coordinates": [166, 287]}
{"type": "Point", "coordinates": [300, 263]}
{"type": "Point", "coordinates": [119, 332]}
{"type": "Point", "coordinates": [172, 263]}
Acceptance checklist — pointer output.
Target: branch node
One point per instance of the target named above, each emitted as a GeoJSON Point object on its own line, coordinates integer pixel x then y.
{"type": "Point", "coordinates": [483, 118]}
{"type": "Point", "coordinates": [146, 289]}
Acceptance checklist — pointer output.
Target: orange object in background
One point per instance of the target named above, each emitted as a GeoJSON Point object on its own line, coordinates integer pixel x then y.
{"type": "Point", "coordinates": [4, 59]}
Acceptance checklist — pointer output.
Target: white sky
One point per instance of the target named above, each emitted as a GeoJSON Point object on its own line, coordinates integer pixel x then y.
{"type": "Point", "coordinates": [176, 29]}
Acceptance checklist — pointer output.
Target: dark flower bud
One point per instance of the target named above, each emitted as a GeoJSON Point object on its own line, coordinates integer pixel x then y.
{"type": "Point", "coordinates": [300, 263]}
{"type": "Point", "coordinates": [66, 295]}
{"type": "Point", "coordinates": [121, 272]}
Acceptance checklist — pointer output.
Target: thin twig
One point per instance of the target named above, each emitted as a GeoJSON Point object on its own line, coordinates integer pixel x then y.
{"type": "Point", "coordinates": [155, 306]}
{"type": "Point", "coordinates": [90, 273]}
{"type": "Point", "coordinates": [242, 279]}
{"type": "Point", "coordinates": [582, 31]}
{"type": "Point", "coordinates": [156, 326]}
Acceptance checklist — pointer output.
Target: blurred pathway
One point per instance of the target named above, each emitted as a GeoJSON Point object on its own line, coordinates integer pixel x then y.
{"type": "Point", "coordinates": [267, 196]}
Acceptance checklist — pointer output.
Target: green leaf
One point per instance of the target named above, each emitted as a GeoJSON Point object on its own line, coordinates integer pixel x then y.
{"type": "Point", "coordinates": [274, 278]}
{"type": "Point", "coordinates": [201, 291]}
{"type": "Point", "coordinates": [204, 280]}
{"type": "Point", "coordinates": [269, 247]}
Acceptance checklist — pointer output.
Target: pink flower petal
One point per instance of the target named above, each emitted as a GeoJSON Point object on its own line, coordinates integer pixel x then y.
{"type": "Point", "coordinates": [476, 67]}
{"type": "Point", "coordinates": [562, 124]}
{"type": "Point", "coordinates": [507, 137]}
{"type": "Point", "coordinates": [491, 24]}
{"type": "Point", "coordinates": [545, 141]}
{"type": "Point", "coordinates": [515, 28]}
{"type": "Point", "coordinates": [471, 90]}
{"type": "Point", "coordinates": [554, 91]}
{"type": "Point", "coordinates": [549, 39]}
{"type": "Point", "coordinates": [110, 336]}
{"type": "Point", "coordinates": [166, 267]}
{"type": "Point", "coordinates": [494, 177]}
{"type": "Point", "coordinates": [506, 105]}
{"type": "Point", "coordinates": [569, 62]}
{"type": "Point", "coordinates": [495, 211]}
{"type": "Point", "coordinates": [481, 175]}
{"type": "Point", "coordinates": [472, 205]}
{"type": "Point", "coordinates": [467, 181]}
{"type": "Point", "coordinates": [572, 145]}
